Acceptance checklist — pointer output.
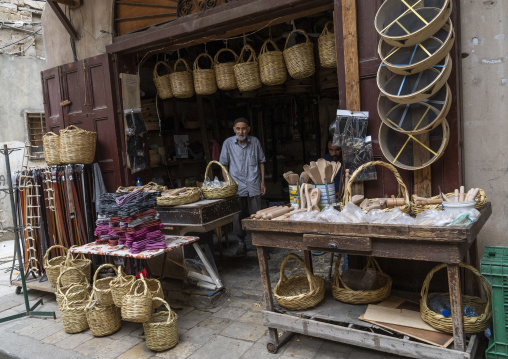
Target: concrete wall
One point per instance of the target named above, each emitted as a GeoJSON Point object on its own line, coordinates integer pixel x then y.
{"type": "Point", "coordinates": [485, 88]}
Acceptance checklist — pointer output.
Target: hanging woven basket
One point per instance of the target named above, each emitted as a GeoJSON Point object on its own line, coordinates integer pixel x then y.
{"type": "Point", "coordinates": [102, 319]}
{"type": "Point", "coordinates": [162, 82]}
{"type": "Point", "coordinates": [299, 58]}
{"type": "Point", "coordinates": [120, 286]}
{"type": "Point", "coordinates": [52, 266]}
{"type": "Point", "coordinates": [204, 79]}
{"type": "Point", "coordinates": [161, 331]}
{"type": "Point", "coordinates": [182, 83]}
{"type": "Point", "coordinates": [326, 47]}
{"type": "Point", "coordinates": [51, 143]}
{"type": "Point", "coordinates": [228, 190]}
{"type": "Point", "coordinates": [247, 71]}
{"type": "Point", "coordinates": [102, 288]}
{"type": "Point", "coordinates": [272, 68]}
{"type": "Point", "coordinates": [77, 145]}
{"type": "Point", "coordinates": [137, 303]}
{"type": "Point", "coordinates": [224, 72]}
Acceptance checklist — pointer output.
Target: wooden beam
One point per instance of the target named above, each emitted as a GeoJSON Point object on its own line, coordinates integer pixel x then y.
{"type": "Point", "coordinates": [63, 19]}
{"type": "Point", "coordinates": [351, 55]}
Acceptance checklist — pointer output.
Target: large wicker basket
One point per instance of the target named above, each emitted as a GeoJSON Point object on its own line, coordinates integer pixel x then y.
{"type": "Point", "coordinates": [102, 288]}
{"type": "Point", "coordinates": [192, 195]}
{"type": "Point", "coordinates": [326, 47]}
{"type": "Point", "coordinates": [382, 284]}
{"type": "Point", "coordinates": [52, 266]}
{"type": "Point", "coordinates": [149, 187]}
{"type": "Point", "coordinates": [272, 68]}
{"type": "Point", "coordinates": [182, 83]}
{"type": "Point", "coordinates": [224, 72]}
{"type": "Point", "coordinates": [74, 316]}
{"type": "Point", "coordinates": [51, 142]}
{"type": "Point", "coordinates": [162, 83]}
{"type": "Point", "coordinates": [406, 208]}
{"type": "Point", "coordinates": [78, 291]}
{"type": "Point", "coordinates": [70, 275]}
{"type": "Point", "coordinates": [85, 264]}
{"type": "Point", "coordinates": [161, 331]}
{"type": "Point", "coordinates": [247, 71]}
{"type": "Point", "coordinates": [137, 303]}
{"type": "Point", "coordinates": [230, 189]}
{"type": "Point", "coordinates": [77, 145]}
{"type": "Point", "coordinates": [204, 79]}
{"type": "Point", "coordinates": [102, 319]}
{"type": "Point", "coordinates": [298, 292]}
{"type": "Point", "coordinates": [471, 324]}
{"type": "Point", "coordinates": [480, 199]}
{"type": "Point", "coordinates": [120, 286]}
{"type": "Point", "coordinates": [299, 58]}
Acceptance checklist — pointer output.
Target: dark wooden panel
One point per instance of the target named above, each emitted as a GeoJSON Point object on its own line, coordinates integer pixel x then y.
{"type": "Point", "coordinates": [52, 97]}
{"type": "Point", "coordinates": [339, 243]}
{"type": "Point", "coordinates": [73, 90]}
{"type": "Point", "coordinates": [129, 18]}
{"type": "Point", "coordinates": [199, 213]}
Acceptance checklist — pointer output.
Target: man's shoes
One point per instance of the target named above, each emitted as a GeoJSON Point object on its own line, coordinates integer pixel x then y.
{"type": "Point", "coordinates": [242, 250]}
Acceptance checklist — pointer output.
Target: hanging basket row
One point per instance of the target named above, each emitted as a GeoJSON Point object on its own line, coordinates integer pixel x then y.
{"type": "Point", "coordinates": [73, 145]}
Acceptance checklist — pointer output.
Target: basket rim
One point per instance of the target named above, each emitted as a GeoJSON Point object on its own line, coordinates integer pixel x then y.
{"type": "Point", "coordinates": [155, 69]}
{"type": "Point", "coordinates": [295, 31]}
{"type": "Point", "coordinates": [216, 57]}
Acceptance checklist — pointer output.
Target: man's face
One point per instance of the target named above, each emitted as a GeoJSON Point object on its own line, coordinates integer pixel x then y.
{"type": "Point", "coordinates": [241, 130]}
{"type": "Point", "coordinates": [335, 152]}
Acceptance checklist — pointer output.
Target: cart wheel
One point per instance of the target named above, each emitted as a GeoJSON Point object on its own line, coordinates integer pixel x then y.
{"type": "Point", "coordinates": [18, 290]}
{"type": "Point", "coordinates": [272, 348]}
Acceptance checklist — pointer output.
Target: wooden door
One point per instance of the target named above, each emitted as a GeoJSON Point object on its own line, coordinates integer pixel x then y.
{"type": "Point", "coordinates": [52, 97]}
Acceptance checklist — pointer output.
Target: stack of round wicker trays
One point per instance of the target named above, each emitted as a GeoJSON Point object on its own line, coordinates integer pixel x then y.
{"type": "Point", "coordinates": [416, 38]}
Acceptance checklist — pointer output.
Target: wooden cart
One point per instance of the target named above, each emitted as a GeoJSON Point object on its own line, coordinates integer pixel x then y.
{"type": "Point", "coordinates": [449, 245]}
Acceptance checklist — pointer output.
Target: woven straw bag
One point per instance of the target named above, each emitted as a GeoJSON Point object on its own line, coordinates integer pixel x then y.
{"type": "Point", "coordinates": [161, 331]}
{"type": "Point", "coordinates": [271, 65]}
{"type": "Point", "coordinates": [204, 79]}
{"type": "Point", "coordinates": [299, 292]}
{"type": "Point", "coordinates": [120, 286]}
{"type": "Point", "coordinates": [471, 324]}
{"type": "Point", "coordinates": [155, 288]}
{"type": "Point", "coordinates": [102, 319]}
{"type": "Point", "coordinates": [70, 275]}
{"type": "Point", "coordinates": [75, 292]}
{"type": "Point", "coordinates": [51, 142]}
{"type": "Point", "coordinates": [182, 83]}
{"type": "Point", "coordinates": [222, 192]}
{"type": "Point", "coordinates": [224, 72]}
{"type": "Point", "coordinates": [52, 266]}
{"type": "Point", "coordinates": [149, 187]}
{"type": "Point", "coordinates": [480, 199]}
{"type": "Point", "coordinates": [84, 264]}
{"type": "Point", "coordinates": [299, 58]}
{"type": "Point", "coordinates": [74, 316]}
{"type": "Point", "coordinates": [247, 71]}
{"type": "Point", "coordinates": [326, 48]}
{"type": "Point", "coordinates": [382, 283]}
{"type": "Point", "coordinates": [137, 303]}
{"type": "Point", "coordinates": [77, 145]}
{"type": "Point", "coordinates": [162, 83]}
{"type": "Point", "coordinates": [406, 208]}
{"type": "Point", "coordinates": [101, 287]}
{"type": "Point", "coordinates": [192, 195]}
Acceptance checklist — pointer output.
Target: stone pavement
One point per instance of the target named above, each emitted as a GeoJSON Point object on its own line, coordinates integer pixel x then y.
{"type": "Point", "coordinates": [231, 330]}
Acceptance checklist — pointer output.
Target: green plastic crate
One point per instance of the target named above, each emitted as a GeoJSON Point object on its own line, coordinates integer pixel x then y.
{"type": "Point", "coordinates": [494, 267]}
{"type": "Point", "coordinates": [496, 350]}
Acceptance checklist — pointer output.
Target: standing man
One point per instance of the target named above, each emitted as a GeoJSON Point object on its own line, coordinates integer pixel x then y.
{"type": "Point", "coordinates": [246, 161]}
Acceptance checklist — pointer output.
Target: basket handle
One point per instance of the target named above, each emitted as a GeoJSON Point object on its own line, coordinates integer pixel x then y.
{"type": "Point", "coordinates": [66, 269]}
{"type": "Point", "coordinates": [325, 29]}
{"type": "Point", "coordinates": [230, 179]}
{"type": "Point", "coordinates": [252, 57]}
{"type": "Point", "coordinates": [180, 60]}
{"type": "Point", "coordinates": [155, 69]}
{"type": "Point", "coordinates": [45, 259]}
{"type": "Point", "coordinates": [216, 59]}
{"type": "Point", "coordinates": [50, 134]}
{"type": "Point", "coordinates": [107, 265]}
{"type": "Point", "coordinates": [307, 271]}
{"type": "Point", "coordinates": [196, 64]}
{"type": "Point", "coordinates": [337, 278]}
{"type": "Point", "coordinates": [70, 290]}
{"type": "Point", "coordinates": [137, 283]}
{"type": "Point", "coordinates": [171, 314]}
{"type": "Point", "coordinates": [91, 301]}
{"type": "Point", "coordinates": [72, 128]}
{"type": "Point", "coordinates": [264, 48]}
{"type": "Point", "coordinates": [294, 32]}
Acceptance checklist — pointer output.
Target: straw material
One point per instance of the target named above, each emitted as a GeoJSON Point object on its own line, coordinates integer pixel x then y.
{"type": "Point", "coordinates": [101, 287]}
{"type": "Point", "coordinates": [480, 199]}
{"type": "Point", "coordinates": [222, 192]}
{"type": "Point", "coordinates": [272, 68]}
{"type": "Point", "coordinates": [155, 288]}
{"type": "Point", "coordinates": [471, 324]}
{"type": "Point", "coordinates": [84, 264]}
{"type": "Point", "coordinates": [402, 189]}
{"type": "Point", "coordinates": [299, 292]}
{"type": "Point", "coordinates": [382, 285]}
{"type": "Point", "coordinates": [120, 286]}
{"type": "Point", "coordinates": [149, 187]}
{"type": "Point", "coordinates": [224, 72]}
{"type": "Point", "coordinates": [77, 145]}
{"type": "Point", "coordinates": [74, 316]}
{"type": "Point", "coordinates": [326, 47]}
{"type": "Point", "coordinates": [137, 303]}
{"type": "Point", "coordinates": [102, 319]}
{"type": "Point", "coordinates": [247, 71]}
{"type": "Point", "coordinates": [192, 195]}
{"type": "Point", "coordinates": [204, 79]}
{"type": "Point", "coordinates": [299, 58]}
{"type": "Point", "coordinates": [51, 143]}
{"type": "Point", "coordinates": [161, 331]}
{"type": "Point", "coordinates": [182, 83]}
{"type": "Point", "coordinates": [70, 275]}
{"type": "Point", "coordinates": [52, 266]}
{"type": "Point", "coordinates": [75, 292]}
{"type": "Point", "coordinates": [162, 83]}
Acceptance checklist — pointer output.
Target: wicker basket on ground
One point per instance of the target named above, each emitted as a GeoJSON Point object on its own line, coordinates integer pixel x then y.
{"type": "Point", "coordinates": [228, 190]}
{"type": "Point", "coordinates": [75, 292]}
{"type": "Point", "coordinates": [224, 72]}
{"type": "Point", "coordinates": [52, 266]}
{"type": "Point", "coordinates": [77, 145]}
{"type": "Point", "coordinates": [51, 142]}
{"type": "Point", "coordinates": [179, 196]}
{"type": "Point", "coordinates": [182, 83]}
{"type": "Point", "coordinates": [161, 331]}
{"type": "Point", "coordinates": [70, 275]}
{"type": "Point", "coordinates": [85, 264]}
{"type": "Point", "coordinates": [162, 83]}
{"type": "Point", "coordinates": [247, 71]}
{"type": "Point", "coordinates": [137, 303]}
{"type": "Point", "coordinates": [272, 68]}
{"type": "Point", "coordinates": [299, 58]}
{"type": "Point", "coordinates": [301, 291]}
{"type": "Point", "coordinates": [204, 79]}
{"type": "Point", "coordinates": [382, 286]}
{"type": "Point", "coordinates": [102, 288]}
{"type": "Point", "coordinates": [74, 316]}
{"type": "Point", "coordinates": [326, 47]}
{"type": "Point", "coordinates": [102, 319]}
{"type": "Point", "coordinates": [471, 324]}
{"type": "Point", "coordinates": [120, 286]}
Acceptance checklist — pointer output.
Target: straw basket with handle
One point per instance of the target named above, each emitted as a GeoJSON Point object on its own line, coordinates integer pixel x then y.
{"type": "Point", "coordinates": [471, 324]}
{"type": "Point", "coordinates": [271, 64]}
{"type": "Point", "coordinates": [162, 83]}
{"type": "Point", "coordinates": [298, 292]}
{"type": "Point", "coordinates": [74, 316]}
{"type": "Point", "coordinates": [51, 142]}
{"type": "Point", "coordinates": [230, 189]}
{"type": "Point", "coordinates": [155, 288]}
{"type": "Point", "coordinates": [85, 264]}
{"type": "Point", "coordinates": [382, 286]}
{"type": "Point", "coordinates": [204, 79]}
{"type": "Point", "coordinates": [77, 291]}
{"type": "Point", "coordinates": [480, 199]}
{"type": "Point", "coordinates": [406, 207]}
{"type": "Point", "coordinates": [101, 287]}
{"type": "Point", "coordinates": [181, 81]}
{"type": "Point", "coordinates": [326, 47]}
{"type": "Point", "coordinates": [52, 266]}
{"type": "Point", "coordinates": [299, 58]}
{"type": "Point", "coordinates": [247, 71]}
{"type": "Point", "coordinates": [137, 303]}
{"type": "Point", "coordinates": [173, 198]}
{"type": "Point", "coordinates": [77, 145]}
{"type": "Point", "coordinates": [224, 72]}
{"type": "Point", "coordinates": [120, 286]}
{"type": "Point", "coordinates": [70, 275]}
{"type": "Point", "coordinates": [102, 319]}
{"type": "Point", "coordinates": [161, 331]}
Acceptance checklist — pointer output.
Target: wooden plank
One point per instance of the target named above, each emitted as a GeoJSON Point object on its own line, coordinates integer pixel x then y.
{"type": "Point", "coordinates": [267, 290]}
{"type": "Point", "coordinates": [199, 213]}
{"type": "Point", "coordinates": [35, 284]}
{"type": "Point", "coordinates": [339, 243]}
{"type": "Point", "coordinates": [456, 307]}
{"type": "Point", "coordinates": [131, 98]}
{"type": "Point", "coordinates": [403, 317]}
{"type": "Point", "coordinates": [351, 55]}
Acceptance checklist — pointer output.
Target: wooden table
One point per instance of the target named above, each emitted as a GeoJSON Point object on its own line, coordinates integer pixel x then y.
{"type": "Point", "coordinates": [437, 244]}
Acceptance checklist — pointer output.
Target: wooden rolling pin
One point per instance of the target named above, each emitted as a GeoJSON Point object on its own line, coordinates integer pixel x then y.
{"type": "Point", "coordinates": [473, 194]}
{"type": "Point", "coordinates": [262, 212]}
{"type": "Point", "coordinates": [357, 199]}
{"type": "Point", "coordinates": [427, 201]}
{"type": "Point", "coordinates": [395, 202]}
{"type": "Point", "coordinates": [461, 194]}
{"type": "Point", "coordinates": [278, 213]}
{"type": "Point", "coordinates": [287, 215]}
